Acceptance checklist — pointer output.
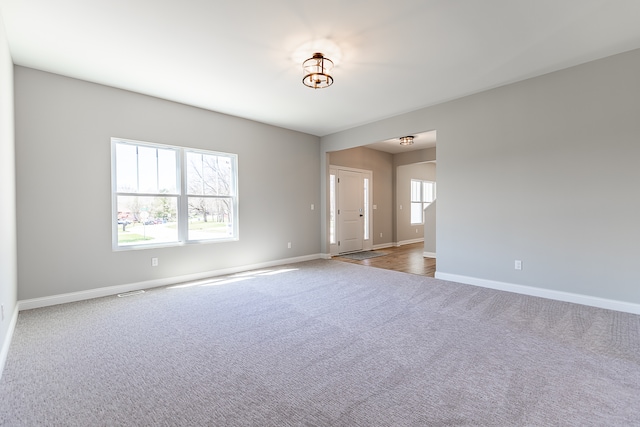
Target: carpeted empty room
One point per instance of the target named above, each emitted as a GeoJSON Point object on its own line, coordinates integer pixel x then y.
{"type": "Point", "coordinates": [322, 343]}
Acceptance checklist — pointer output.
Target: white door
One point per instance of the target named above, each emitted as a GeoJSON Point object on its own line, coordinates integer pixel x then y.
{"type": "Point", "coordinates": [350, 211]}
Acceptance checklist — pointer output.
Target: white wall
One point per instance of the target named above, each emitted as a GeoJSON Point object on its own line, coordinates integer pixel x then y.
{"type": "Point", "coordinates": [63, 131]}
{"type": "Point", "coordinates": [544, 171]}
{"type": "Point", "coordinates": [8, 251]}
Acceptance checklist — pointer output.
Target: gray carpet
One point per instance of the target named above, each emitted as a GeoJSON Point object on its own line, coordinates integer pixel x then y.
{"type": "Point", "coordinates": [323, 343]}
{"type": "Point", "coordinates": [363, 255]}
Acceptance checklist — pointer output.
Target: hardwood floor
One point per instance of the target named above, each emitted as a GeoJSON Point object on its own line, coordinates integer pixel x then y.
{"type": "Point", "coordinates": [406, 258]}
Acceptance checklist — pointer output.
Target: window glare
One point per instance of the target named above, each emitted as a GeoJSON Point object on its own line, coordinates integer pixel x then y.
{"type": "Point", "coordinates": [415, 191]}
{"type": "Point", "coordinates": [167, 175]}
{"type": "Point", "coordinates": [416, 213]}
{"type": "Point", "coordinates": [126, 168]}
{"type": "Point", "coordinates": [147, 170]}
{"type": "Point", "coordinates": [429, 191]}
{"type": "Point", "coordinates": [195, 182]}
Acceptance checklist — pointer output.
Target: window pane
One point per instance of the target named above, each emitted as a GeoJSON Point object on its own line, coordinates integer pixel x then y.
{"type": "Point", "coordinates": [146, 220]}
{"type": "Point", "coordinates": [366, 208]}
{"type": "Point", "coordinates": [416, 191]}
{"type": "Point", "coordinates": [210, 218]}
{"type": "Point", "coordinates": [147, 170]}
{"type": "Point", "coordinates": [332, 209]}
{"type": "Point", "coordinates": [167, 176]}
{"type": "Point", "coordinates": [217, 172]}
{"type": "Point", "coordinates": [209, 175]}
{"type": "Point", "coordinates": [429, 191]}
{"type": "Point", "coordinates": [195, 177]}
{"type": "Point", "coordinates": [126, 168]}
{"type": "Point", "coordinates": [416, 213]}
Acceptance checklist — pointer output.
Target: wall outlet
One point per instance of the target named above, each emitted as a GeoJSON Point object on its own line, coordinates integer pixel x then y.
{"type": "Point", "coordinates": [289, 245]}
{"type": "Point", "coordinates": [416, 230]}
{"type": "Point", "coordinates": [518, 265]}
{"type": "Point", "coordinates": [154, 262]}
{"type": "Point", "coordinates": [312, 206]}
{"type": "Point", "coordinates": [380, 234]}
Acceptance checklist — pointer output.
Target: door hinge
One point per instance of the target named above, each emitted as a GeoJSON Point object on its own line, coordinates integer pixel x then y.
{"type": "Point", "coordinates": [338, 242]}
{"type": "Point", "coordinates": [338, 211]}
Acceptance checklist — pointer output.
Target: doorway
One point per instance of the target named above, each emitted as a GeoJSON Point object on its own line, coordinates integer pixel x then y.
{"type": "Point", "coordinates": [350, 210]}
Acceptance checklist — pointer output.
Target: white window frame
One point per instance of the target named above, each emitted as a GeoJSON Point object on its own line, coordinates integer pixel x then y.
{"type": "Point", "coordinates": [181, 195]}
{"type": "Point", "coordinates": [422, 199]}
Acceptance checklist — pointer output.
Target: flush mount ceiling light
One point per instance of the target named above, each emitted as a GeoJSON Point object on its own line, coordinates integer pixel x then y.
{"type": "Point", "coordinates": [316, 71]}
{"type": "Point", "coordinates": [406, 140]}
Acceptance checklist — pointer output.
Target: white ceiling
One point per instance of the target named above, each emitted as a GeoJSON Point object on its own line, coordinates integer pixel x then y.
{"type": "Point", "coordinates": [236, 57]}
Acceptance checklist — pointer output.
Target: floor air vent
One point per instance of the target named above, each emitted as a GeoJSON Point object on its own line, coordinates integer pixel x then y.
{"type": "Point", "coordinates": [130, 294]}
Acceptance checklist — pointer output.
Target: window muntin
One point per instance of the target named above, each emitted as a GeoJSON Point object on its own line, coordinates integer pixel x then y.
{"type": "Point", "coordinates": [423, 193]}
{"type": "Point", "coordinates": [165, 195]}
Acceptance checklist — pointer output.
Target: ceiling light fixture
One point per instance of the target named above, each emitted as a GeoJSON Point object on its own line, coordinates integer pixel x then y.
{"type": "Point", "coordinates": [406, 140]}
{"type": "Point", "coordinates": [316, 71]}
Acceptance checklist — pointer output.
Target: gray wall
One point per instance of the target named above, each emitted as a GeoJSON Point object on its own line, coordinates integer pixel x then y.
{"type": "Point", "coordinates": [404, 175]}
{"type": "Point", "coordinates": [381, 164]}
{"type": "Point", "coordinates": [8, 251]}
{"type": "Point", "coordinates": [545, 171]}
{"type": "Point", "coordinates": [63, 131]}
{"type": "Point", "coordinates": [413, 157]}
{"type": "Point", "coordinates": [430, 224]}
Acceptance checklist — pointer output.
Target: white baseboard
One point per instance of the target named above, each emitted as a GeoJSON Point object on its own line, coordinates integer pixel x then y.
{"type": "Point", "coordinates": [397, 244]}
{"type": "Point", "coordinates": [429, 255]}
{"type": "Point", "coordinates": [543, 293]}
{"type": "Point", "coordinates": [409, 242]}
{"type": "Point", "coordinates": [373, 248]}
{"type": "Point", "coordinates": [383, 245]}
{"type": "Point", "coordinates": [4, 351]}
{"type": "Point", "coordinates": [113, 290]}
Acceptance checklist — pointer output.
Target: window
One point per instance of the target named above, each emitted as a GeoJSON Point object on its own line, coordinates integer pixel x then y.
{"type": "Point", "coordinates": [332, 209]}
{"type": "Point", "coordinates": [366, 209]}
{"type": "Point", "coordinates": [422, 194]}
{"type": "Point", "coordinates": [165, 195]}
